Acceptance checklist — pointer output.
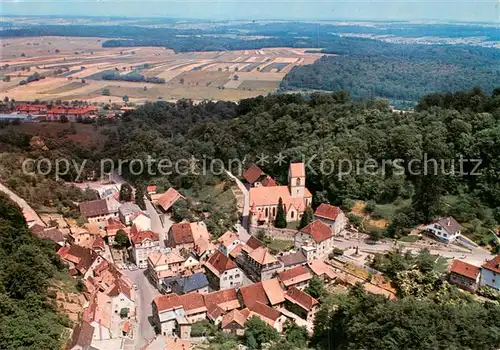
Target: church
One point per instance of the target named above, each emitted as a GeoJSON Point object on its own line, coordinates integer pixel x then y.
{"type": "Point", "coordinates": [265, 194]}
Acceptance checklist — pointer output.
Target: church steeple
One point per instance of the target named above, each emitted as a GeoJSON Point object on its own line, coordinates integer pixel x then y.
{"type": "Point", "coordinates": [297, 179]}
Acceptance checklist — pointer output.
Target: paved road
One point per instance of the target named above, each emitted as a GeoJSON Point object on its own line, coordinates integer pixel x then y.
{"type": "Point", "coordinates": [246, 195]}
{"type": "Point", "coordinates": [145, 294]}
{"type": "Point", "coordinates": [28, 211]}
{"type": "Point", "coordinates": [160, 223]}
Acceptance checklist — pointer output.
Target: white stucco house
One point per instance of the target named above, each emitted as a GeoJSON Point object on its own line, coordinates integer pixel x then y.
{"type": "Point", "coordinates": [490, 273]}
{"type": "Point", "coordinates": [446, 229]}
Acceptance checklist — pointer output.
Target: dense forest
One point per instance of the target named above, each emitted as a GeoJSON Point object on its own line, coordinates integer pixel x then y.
{"type": "Point", "coordinates": [28, 317]}
{"type": "Point", "coordinates": [401, 73]}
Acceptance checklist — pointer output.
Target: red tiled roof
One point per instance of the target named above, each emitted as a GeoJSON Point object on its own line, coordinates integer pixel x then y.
{"type": "Point", "coordinates": [218, 263]}
{"type": "Point", "coordinates": [327, 211]}
{"type": "Point", "coordinates": [213, 311]}
{"type": "Point", "coordinates": [192, 301]}
{"type": "Point", "coordinates": [493, 264]}
{"type": "Point", "coordinates": [268, 182]}
{"type": "Point", "coordinates": [233, 316]}
{"type": "Point", "coordinates": [226, 299]}
{"type": "Point", "coordinates": [182, 233]}
{"type": "Point", "coordinates": [464, 269]}
{"type": "Point", "coordinates": [94, 208]}
{"type": "Point", "coordinates": [265, 311]}
{"type": "Point", "coordinates": [254, 243]}
{"type": "Point", "coordinates": [318, 230]}
{"type": "Point", "coordinates": [301, 298]}
{"type": "Point", "coordinates": [253, 293]}
{"type": "Point", "coordinates": [167, 302]}
{"type": "Point", "coordinates": [169, 198]}
{"type": "Point", "coordinates": [151, 188]}
{"type": "Point", "coordinates": [82, 336]}
{"type": "Point", "coordinates": [294, 275]}
{"type": "Point", "coordinates": [252, 173]}
{"type": "Point", "coordinates": [139, 237]}
{"type": "Point", "coordinates": [297, 170]}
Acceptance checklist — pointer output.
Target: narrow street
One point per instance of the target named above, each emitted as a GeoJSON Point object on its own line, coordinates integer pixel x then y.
{"type": "Point", "coordinates": [145, 294]}
{"type": "Point", "coordinates": [28, 211]}
{"type": "Point", "coordinates": [246, 205]}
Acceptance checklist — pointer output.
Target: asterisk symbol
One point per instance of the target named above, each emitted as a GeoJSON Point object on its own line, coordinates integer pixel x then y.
{"type": "Point", "coordinates": [280, 159]}
{"type": "Point", "coordinates": [262, 159]}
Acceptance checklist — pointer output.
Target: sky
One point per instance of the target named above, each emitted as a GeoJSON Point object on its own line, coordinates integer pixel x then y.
{"type": "Point", "coordinates": [459, 10]}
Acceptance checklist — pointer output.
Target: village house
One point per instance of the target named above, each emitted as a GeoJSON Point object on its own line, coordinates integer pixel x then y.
{"type": "Point", "coordinates": [151, 189]}
{"type": "Point", "coordinates": [79, 260]}
{"type": "Point", "coordinates": [214, 313]}
{"type": "Point", "coordinates": [174, 314]}
{"type": "Point", "coordinates": [295, 197]}
{"type": "Point", "coordinates": [166, 200]}
{"type": "Point", "coordinates": [108, 279]}
{"type": "Point", "coordinates": [490, 273]}
{"type": "Point", "coordinates": [81, 236]}
{"type": "Point", "coordinates": [301, 304]}
{"type": "Point", "coordinates": [445, 229]}
{"type": "Point", "coordinates": [82, 336]}
{"type": "Point", "coordinates": [233, 323]}
{"type": "Point", "coordinates": [292, 260]}
{"type": "Point", "coordinates": [162, 264]}
{"type": "Point", "coordinates": [196, 282]}
{"type": "Point", "coordinates": [143, 244]}
{"type": "Point", "coordinates": [228, 241]}
{"type": "Point", "coordinates": [268, 292]}
{"type": "Point", "coordinates": [98, 314]}
{"type": "Point", "coordinates": [222, 272]}
{"type": "Point", "coordinates": [464, 275]}
{"type": "Point", "coordinates": [185, 234]}
{"type": "Point", "coordinates": [297, 277]}
{"type": "Point", "coordinates": [142, 222]}
{"type": "Point", "coordinates": [203, 249]}
{"type": "Point", "coordinates": [128, 212]}
{"type": "Point", "coordinates": [100, 209]}
{"type": "Point", "coordinates": [50, 233]}
{"type": "Point", "coordinates": [258, 263]}
{"type": "Point", "coordinates": [332, 216]}
{"type": "Point", "coordinates": [111, 227]}
{"type": "Point", "coordinates": [225, 300]}
{"type": "Point", "coordinates": [322, 270]}
{"type": "Point", "coordinates": [267, 314]}
{"type": "Point", "coordinates": [315, 240]}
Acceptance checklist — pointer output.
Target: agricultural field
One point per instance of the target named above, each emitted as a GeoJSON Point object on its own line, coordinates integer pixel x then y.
{"type": "Point", "coordinates": [79, 68]}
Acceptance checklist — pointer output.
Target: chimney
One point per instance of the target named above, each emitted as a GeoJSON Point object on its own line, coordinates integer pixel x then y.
{"type": "Point", "coordinates": [449, 222]}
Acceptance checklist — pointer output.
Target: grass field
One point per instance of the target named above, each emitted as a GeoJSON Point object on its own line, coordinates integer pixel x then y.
{"type": "Point", "coordinates": [193, 75]}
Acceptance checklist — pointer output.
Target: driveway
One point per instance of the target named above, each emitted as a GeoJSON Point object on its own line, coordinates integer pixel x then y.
{"type": "Point", "coordinates": [144, 297]}
{"type": "Point", "coordinates": [29, 212]}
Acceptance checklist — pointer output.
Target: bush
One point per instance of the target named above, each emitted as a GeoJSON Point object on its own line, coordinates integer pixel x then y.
{"type": "Point", "coordinates": [370, 207]}
{"type": "Point", "coordinates": [354, 219]}
{"type": "Point", "coordinates": [348, 204]}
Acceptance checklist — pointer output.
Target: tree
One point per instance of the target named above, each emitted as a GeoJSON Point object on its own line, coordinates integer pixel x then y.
{"type": "Point", "coordinates": [236, 77]}
{"type": "Point", "coordinates": [307, 218]}
{"type": "Point", "coordinates": [125, 193]}
{"type": "Point", "coordinates": [63, 119]}
{"type": "Point", "coordinates": [280, 220]}
{"type": "Point", "coordinates": [125, 98]}
{"type": "Point", "coordinates": [181, 80]}
{"type": "Point", "coordinates": [316, 288]}
{"type": "Point", "coordinates": [121, 239]}
{"type": "Point", "coordinates": [105, 92]}
{"type": "Point", "coordinates": [258, 332]}
{"type": "Point", "coordinates": [139, 197]}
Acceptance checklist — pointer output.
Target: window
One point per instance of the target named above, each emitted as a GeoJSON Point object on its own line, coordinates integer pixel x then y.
{"type": "Point", "coordinates": [237, 275]}
{"type": "Point", "coordinates": [267, 212]}
{"type": "Point", "coordinates": [298, 181]}
{"type": "Point", "coordinates": [292, 214]}
{"type": "Point", "coordinates": [274, 211]}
